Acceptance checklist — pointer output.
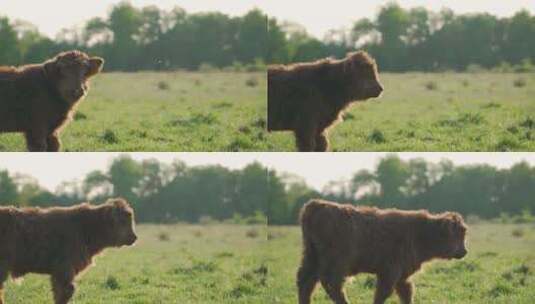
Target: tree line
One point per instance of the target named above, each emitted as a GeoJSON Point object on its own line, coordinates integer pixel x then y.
{"type": "Point", "coordinates": [159, 192]}
{"type": "Point", "coordinates": [166, 193]}
{"type": "Point", "coordinates": [147, 38]}
{"type": "Point", "coordinates": [479, 190]}
{"type": "Point", "coordinates": [150, 38]}
{"type": "Point", "coordinates": [417, 39]}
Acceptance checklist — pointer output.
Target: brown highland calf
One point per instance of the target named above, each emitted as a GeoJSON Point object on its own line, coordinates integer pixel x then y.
{"type": "Point", "coordinates": [308, 98]}
{"type": "Point", "coordinates": [60, 242]}
{"type": "Point", "coordinates": [38, 100]}
{"type": "Point", "coordinates": [343, 240]}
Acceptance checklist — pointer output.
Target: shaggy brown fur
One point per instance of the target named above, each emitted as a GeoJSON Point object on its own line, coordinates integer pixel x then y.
{"type": "Point", "coordinates": [38, 100]}
{"type": "Point", "coordinates": [60, 242]}
{"type": "Point", "coordinates": [308, 98]}
{"type": "Point", "coordinates": [343, 240]}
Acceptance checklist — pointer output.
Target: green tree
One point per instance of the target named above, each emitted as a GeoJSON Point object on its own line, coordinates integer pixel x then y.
{"type": "Point", "coordinates": [393, 23]}
{"type": "Point", "coordinates": [392, 175]}
{"type": "Point", "coordinates": [278, 208]}
{"type": "Point", "coordinates": [252, 37]}
{"type": "Point", "coordinates": [252, 190]}
{"type": "Point", "coordinates": [519, 37]}
{"type": "Point", "coordinates": [125, 175]}
{"type": "Point", "coordinates": [125, 22]}
{"type": "Point", "coordinates": [8, 189]}
{"type": "Point", "coordinates": [10, 53]}
{"type": "Point", "coordinates": [361, 32]}
{"type": "Point", "coordinates": [277, 48]}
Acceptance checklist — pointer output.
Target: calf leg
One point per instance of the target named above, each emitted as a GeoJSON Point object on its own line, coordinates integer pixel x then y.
{"type": "Point", "coordinates": [385, 288]}
{"type": "Point", "coordinates": [3, 277]}
{"type": "Point", "coordinates": [405, 291]}
{"type": "Point", "coordinates": [53, 143]}
{"type": "Point", "coordinates": [333, 285]}
{"type": "Point", "coordinates": [307, 278]}
{"type": "Point", "coordinates": [305, 135]}
{"type": "Point", "coordinates": [36, 141]}
{"type": "Point", "coordinates": [305, 141]}
{"type": "Point", "coordinates": [62, 287]}
{"type": "Point", "coordinates": [322, 143]}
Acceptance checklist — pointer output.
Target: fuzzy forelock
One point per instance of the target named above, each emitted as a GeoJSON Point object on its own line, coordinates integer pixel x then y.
{"type": "Point", "coordinates": [119, 203]}
{"type": "Point", "coordinates": [73, 56]}
{"type": "Point", "coordinates": [361, 57]}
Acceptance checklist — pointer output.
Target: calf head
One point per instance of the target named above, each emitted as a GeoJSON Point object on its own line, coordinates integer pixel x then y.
{"type": "Point", "coordinates": [69, 72]}
{"type": "Point", "coordinates": [452, 230]}
{"type": "Point", "coordinates": [120, 223]}
{"type": "Point", "coordinates": [361, 72]}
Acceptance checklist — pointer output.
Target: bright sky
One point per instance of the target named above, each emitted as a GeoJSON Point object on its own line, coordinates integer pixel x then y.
{"type": "Point", "coordinates": [317, 169]}
{"type": "Point", "coordinates": [317, 16]}
{"type": "Point", "coordinates": [53, 169]}
{"type": "Point", "coordinates": [53, 15]}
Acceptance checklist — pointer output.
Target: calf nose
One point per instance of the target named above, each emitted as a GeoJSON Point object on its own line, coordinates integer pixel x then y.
{"type": "Point", "coordinates": [461, 254]}
{"type": "Point", "coordinates": [378, 90]}
{"type": "Point", "coordinates": [133, 239]}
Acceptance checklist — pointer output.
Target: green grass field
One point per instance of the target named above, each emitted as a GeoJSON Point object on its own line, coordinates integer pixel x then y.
{"type": "Point", "coordinates": [235, 264]}
{"type": "Point", "coordinates": [169, 264]}
{"type": "Point", "coordinates": [439, 112]}
{"type": "Point", "coordinates": [499, 269]}
{"type": "Point", "coordinates": [167, 112]}
{"type": "Point", "coordinates": [225, 111]}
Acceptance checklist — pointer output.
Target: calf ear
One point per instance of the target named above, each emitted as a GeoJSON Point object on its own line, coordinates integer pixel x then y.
{"type": "Point", "coordinates": [95, 66]}
{"type": "Point", "coordinates": [455, 217]}
{"type": "Point", "coordinates": [452, 221]}
{"type": "Point", "coordinates": [113, 209]}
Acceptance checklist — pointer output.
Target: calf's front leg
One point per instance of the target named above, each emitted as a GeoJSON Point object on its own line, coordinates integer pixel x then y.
{"type": "Point", "coordinates": [36, 141]}
{"type": "Point", "coordinates": [322, 143]}
{"type": "Point", "coordinates": [333, 286]}
{"type": "Point", "coordinates": [405, 290]}
{"type": "Point", "coordinates": [53, 143]}
{"type": "Point", "coordinates": [385, 287]}
{"type": "Point", "coordinates": [305, 135]}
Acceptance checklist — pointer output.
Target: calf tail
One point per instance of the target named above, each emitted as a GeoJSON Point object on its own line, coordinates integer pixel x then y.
{"type": "Point", "coordinates": [308, 211]}
{"type": "Point", "coordinates": [308, 273]}
{"type": "Point", "coordinates": [310, 255]}
{"type": "Point", "coordinates": [309, 220]}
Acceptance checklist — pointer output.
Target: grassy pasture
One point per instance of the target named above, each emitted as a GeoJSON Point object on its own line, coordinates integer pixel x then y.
{"type": "Point", "coordinates": [499, 269]}
{"type": "Point", "coordinates": [169, 264]}
{"type": "Point", "coordinates": [235, 264]}
{"type": "Point", "coordinates": [226, 111]}
{"type": "Point", "coordinates": [438, 112]}
{"type": "Point", "coordinates": [180, 111]}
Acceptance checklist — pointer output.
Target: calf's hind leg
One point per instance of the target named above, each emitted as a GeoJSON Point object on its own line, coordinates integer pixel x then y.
{"type": "Point", "coordinates": [62, 287]}
{"type": "Point", "coordinates": [405, 289]}
{"type": "Point", "coordinates": [333, 285]}
{"type": "Point", "coordinates": [385, 287]}
{"type": "Point", "coordinates": [3, 278]}
{"type": "Point", "coordinates": [307, 278]}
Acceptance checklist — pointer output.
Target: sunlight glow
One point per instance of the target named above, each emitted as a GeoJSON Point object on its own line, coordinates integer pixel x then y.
{"type": "Point", "coordinates": [318, 16]}
{"type": "Point", "coordinates": [317, 169]}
